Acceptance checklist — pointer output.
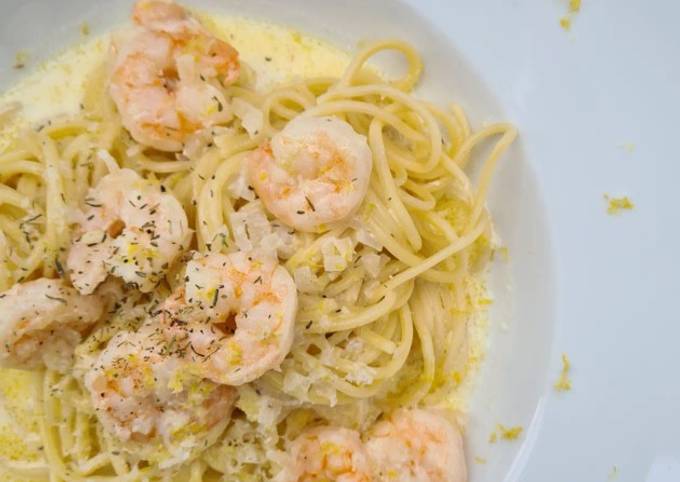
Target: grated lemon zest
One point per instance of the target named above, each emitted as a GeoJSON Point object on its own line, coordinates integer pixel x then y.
{"type": "Point", "coordinates": [565, 23]}
{"type": "Point", "coordinates": [563, 384]}
{"type": "Point", "coordinates": [505, 433]}
{"type": "Point", "coordinates": [21, 59]}
{"type": "Point", "coordinates": [617, 204]}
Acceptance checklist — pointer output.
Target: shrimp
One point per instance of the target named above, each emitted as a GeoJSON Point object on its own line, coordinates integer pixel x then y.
{"type": "Point", "coordinates": [141, 393]}
{"type": "Point", "coordinates": [235, 315]}
{"type": "Point", "coordinates": [313, 173]}
{"type": "Point", "coordinates": [131, 229]}
{"type": "Point", "coordinates": [416, 446]}
{"type": "Point", "coordinates": [42, 321]}
{"type": "Point", "coordinates": [167, 78]}
{"type": "Point", "coordinates": [327, 453]}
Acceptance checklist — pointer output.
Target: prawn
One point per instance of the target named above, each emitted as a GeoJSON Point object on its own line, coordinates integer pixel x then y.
{"type": "Point", "coordinates": [416, 446]}
{"type": "Point", "coordinates": [140, 393]}
{"type": "Point", "coordinates": [312, 174]}
{"type": "Point", "coordinates": [235, 314]}
{"type": "Point", "coordinates": [131, 229]}
{"type": "Point", "coordinates": [167, 78]}
{"type": "Point", "coordinates": [327, 453]}
{"type": "Point", "coordinates": [42, 321]}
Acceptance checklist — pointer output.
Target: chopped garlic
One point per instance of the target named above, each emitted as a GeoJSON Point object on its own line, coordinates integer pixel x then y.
{"type": "Point", "coordinates": [337, 254]}
{"type": "Point", "coordinates": [250, 227]}
{"type": "Point", "coordinates": [363, 236]}
{"type": "Point", "coordinates": [372, 263]}
{"type": "Point", "coordinates": [251, 117]}
{"type": "Point", "coordinates": [305, 280]}
{"type": "Point", "coordinates": [361, 375]}
{"type": "Point", "coordinates": [240, 188]}
{"type": "Point", "coordinates": [294, 383]}
{"type": "Point", "coordinates": [351, 295]}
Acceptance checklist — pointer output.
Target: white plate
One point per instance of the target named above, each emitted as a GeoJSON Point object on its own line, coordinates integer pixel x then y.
{"type": "Point", "coordinates": [600, 288]}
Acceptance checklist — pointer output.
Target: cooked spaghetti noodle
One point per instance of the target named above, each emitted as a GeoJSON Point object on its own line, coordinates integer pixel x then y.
{"type": "Point", "coordinates": [385, 299]}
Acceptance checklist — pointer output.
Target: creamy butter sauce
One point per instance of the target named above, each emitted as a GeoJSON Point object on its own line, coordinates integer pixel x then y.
{"type": "Point", "coordinates": [275, 53]}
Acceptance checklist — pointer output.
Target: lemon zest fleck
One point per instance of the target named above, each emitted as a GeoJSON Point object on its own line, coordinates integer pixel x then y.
{"type": "Point", "coordinates": [510, 433]}
{"type": "Point", "coordinates": [563, 384]}
{"type": "Point", "coordinates": [565, 23]}
{"type": "Point", "coordinates": [617, 204]}
{"type": "Point", "coordinates": [505, 433]}
{"type": "Point", "coordinates": [20, 59]}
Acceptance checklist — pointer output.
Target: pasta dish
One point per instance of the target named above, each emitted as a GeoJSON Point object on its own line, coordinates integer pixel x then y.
{"type": "Point", "coordinates": [207, 278]}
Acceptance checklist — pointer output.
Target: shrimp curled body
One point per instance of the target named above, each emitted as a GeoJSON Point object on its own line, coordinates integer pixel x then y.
{"type": "Point", "coordinates": [417, 446]}
{"type": "Point", "coordinates": [168, 76]}
{"type": "Point", "coordinates": [236, 312]}
{"type": "Point", "coordinates": [42, 321]}
{"type": "Point", "coordinates": [328, 453]}
{"type": "Point", "coordinates": [142, 394]}
{"type": "Point", "coordinates": [131, 230]}
{"type": "Point", "coordinates": [411, 445]}
{"type": "Point", "coordinates": [314, 173]}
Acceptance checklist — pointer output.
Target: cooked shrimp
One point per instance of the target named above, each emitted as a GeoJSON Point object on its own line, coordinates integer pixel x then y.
{"type": "Point", "coordinates": [416, 446]}
{"type": "Point", "coordinates": [329, 454]}
{"type": "Point", "coordinates": [235, 314]}
{"type": "Point", "coordinates": [167, 78]}
{"type": "Point", "coordinates": [313, 173]}
{"type": "Point", "coordinates": [131, 229]}
{"type": "Point", "coordinates": [42, 321]}
{"type": "Point", "coordinates": [141, 393]}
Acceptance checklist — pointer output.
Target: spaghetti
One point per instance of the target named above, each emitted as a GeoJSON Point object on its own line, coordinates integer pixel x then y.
{"type": "Point", "coordinates": [384, 299]}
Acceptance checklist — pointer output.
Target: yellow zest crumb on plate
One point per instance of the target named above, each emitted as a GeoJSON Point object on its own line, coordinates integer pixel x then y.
{"type": "Point", "coordinates": [565, 23]}
{"type": "Point", "coordinates": [509, 433]}
{"type": "Point", "coordinates": [84, 29]}
{"type": "Point", "coordinates": [480, 460]}
{"type": "Point", "coordinates": [617, 204]}
{"type": "Point", "coordinates": [563, 384]}
{"type": "Point", "coordinates": [20, 59]}
{"type": "Point", "coordinates": [574, 7]}
{"type": "Point", "coordinates": [505, 433]}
